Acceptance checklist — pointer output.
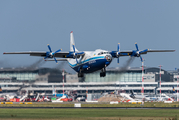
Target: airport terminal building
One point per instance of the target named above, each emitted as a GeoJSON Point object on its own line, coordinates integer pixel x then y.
{"type": "Point", "coordinates": [130, 75]}
{"type": "Point", "coordinates": [50, 75]}
{"type": "Point", "coordinates": [43, 80]}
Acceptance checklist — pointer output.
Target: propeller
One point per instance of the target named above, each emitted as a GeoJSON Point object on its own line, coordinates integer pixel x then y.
{"type": "Point", "coordinates": [138, 53]}
{"type": "Point", "coordinates": [75, 54]}
{"type": "Point", "coordinates": [118, 52]}
{"type": "Point", "coordinates": [51, 54]}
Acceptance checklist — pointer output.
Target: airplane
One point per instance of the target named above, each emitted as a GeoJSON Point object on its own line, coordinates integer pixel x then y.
{"type": "Point", "coordinates": [141, 97]}
{"type": "Point", "coordinates": [6, 94]}
{"type": "Point", "coordinates": [136, 96]}
{"type": "Point", "coordinates": [88, 61]}
{"type": "Point", "coordinates": [174, 93]}
{"type": "Point", "coordinates": [80, 98]}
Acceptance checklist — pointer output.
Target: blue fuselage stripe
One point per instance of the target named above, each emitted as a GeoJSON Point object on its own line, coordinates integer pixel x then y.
{"type": "Point", "coordinates": [90, 59]}
{"type": "Point", "coordinates": [93, 65]}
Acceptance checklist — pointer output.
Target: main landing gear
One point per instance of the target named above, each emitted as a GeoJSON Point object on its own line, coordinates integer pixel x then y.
{"type": "Point", "coordinates": [103, 72]}
{"type": "Point", "coordinates": [80, 74]}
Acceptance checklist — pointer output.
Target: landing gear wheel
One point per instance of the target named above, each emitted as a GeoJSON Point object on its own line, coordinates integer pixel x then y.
{"type": "Point", "coordinates": [80, 75]}
{"type": "Point", "coordinates": [103, 73]}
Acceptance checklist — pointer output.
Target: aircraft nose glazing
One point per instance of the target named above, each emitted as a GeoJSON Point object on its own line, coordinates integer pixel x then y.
{"type": "Point", "coordinates": [108, 58]}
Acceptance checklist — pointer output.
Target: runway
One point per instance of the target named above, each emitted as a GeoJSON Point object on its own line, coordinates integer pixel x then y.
{"type": "Point", "coordinates": [89, 107]}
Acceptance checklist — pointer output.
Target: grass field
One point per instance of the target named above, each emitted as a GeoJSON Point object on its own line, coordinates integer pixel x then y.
{"type": "Point", "coordinates": [90, 114]}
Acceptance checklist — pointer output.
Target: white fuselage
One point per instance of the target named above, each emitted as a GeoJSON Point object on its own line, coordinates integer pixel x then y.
{"type": "Point", "coordinates": [91, 61]}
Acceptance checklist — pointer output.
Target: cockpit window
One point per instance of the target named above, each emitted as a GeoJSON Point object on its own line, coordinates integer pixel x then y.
{"type": "Point", "coordinates": [106, 52]}
{"type": "Point", "coordinates": [103, 53]}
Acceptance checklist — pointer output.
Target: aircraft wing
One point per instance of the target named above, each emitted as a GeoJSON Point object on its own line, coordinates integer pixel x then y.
{"type": "Point", "coordinates": [130, 52]}
{"type": "Point", "coordinates": [40, 53]}
{"type": "Point", "coordinates": [161, 50]}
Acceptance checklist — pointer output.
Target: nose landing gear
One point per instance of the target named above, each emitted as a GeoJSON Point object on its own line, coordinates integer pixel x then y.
{"type": "Point", "coordinates": [103, 72]}
{"type": "Point", "coordinates": [80, 74]}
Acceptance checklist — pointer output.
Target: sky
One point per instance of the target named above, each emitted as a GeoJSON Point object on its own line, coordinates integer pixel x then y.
{"type": "Point", "coordinates": [29, 25]}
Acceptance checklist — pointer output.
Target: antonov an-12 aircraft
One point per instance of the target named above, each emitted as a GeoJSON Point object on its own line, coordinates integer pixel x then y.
{"type": "Point", "coordinates": [88, 61]}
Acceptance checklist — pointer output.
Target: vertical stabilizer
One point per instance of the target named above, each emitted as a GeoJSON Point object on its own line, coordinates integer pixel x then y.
{"type": "Point", "coordinates": [174, 90]}
{"type": "Point", "coordinates": [132, 93]}
{"type": "Point", "coordinates": [72, 42]}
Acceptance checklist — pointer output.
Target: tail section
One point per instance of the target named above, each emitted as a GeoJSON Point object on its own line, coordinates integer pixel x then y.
{"type": "Point", "coordinates": [0, 89]}
{"type": "Point", "coordinates": [72, 42]}
{"type": "Point", "coordinates": [132, 93]}
{"type": "Point", "coordinates": [173, 90]}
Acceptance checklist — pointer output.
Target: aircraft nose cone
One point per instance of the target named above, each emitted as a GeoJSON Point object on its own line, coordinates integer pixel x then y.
{"type": "Point", "coordinates": [108, 58]}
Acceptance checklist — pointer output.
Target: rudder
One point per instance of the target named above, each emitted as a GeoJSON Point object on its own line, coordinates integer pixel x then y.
{"type": "Point", "coordinates": [72, 42]}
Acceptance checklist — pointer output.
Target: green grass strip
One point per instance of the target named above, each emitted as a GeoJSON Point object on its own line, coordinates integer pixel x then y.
{"type": "Point", "coordinates": [84, 113]}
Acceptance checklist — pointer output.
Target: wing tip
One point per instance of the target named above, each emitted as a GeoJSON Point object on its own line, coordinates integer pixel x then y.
{"type": "Point", "coordinates": [71, 32]}
{"type": "Point", "coordinates": [4, 53]}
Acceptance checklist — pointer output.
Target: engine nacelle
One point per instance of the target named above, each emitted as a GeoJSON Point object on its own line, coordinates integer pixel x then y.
{"type": "Point", "coordinates": [117, 54]}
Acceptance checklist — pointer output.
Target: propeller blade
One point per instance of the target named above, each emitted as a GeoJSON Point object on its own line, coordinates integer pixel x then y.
{"type": "Point", "coordinates": [74, 47]}
{"type": "Point", "coordinates": [55, 60]}
{"type": "Point", "coordinates": [76, 60]}
{"type": "Point", "coordinates": [118, 47]}
{"type": "Point", "coordinates": [141, 59]}
{"type": "Point", "coordinates": [136, 46]}
{"type": "Point", "coordinates": [118, 52]}
{"type": "Point", "coordinates": [143, 51]}
{"type": "Point", "coordinates": [118, 60]}
{"type": "Point", "coordinates": [81, 53]}
{"type": "Point", "coordinates": [49, 48]}
{"type": "Point", "coordinates": [57, 51]}
{"type": "Point", "coordinates": [45, 57]}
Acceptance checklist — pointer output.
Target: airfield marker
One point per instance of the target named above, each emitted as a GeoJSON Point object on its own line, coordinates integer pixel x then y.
{"type": "Point", "coordinates": [55, 92]}
{"type": "Point", "coordinates": [63, 81]}
{"type": "Point", "coordinates": [86, 92]}
{"type": "Point", "coordinates": [160, 80]}
{"type": "Point", "coordinates": [142, 77]}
